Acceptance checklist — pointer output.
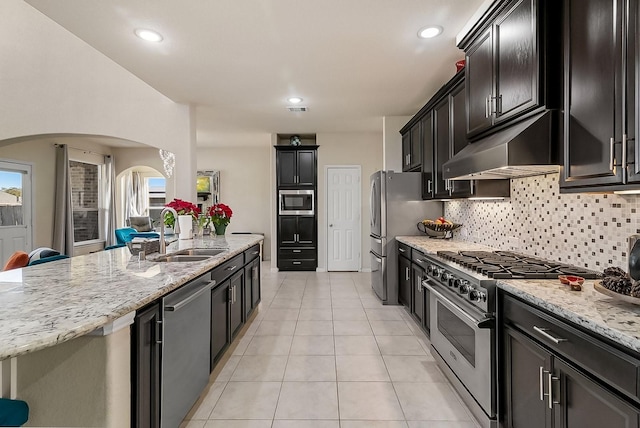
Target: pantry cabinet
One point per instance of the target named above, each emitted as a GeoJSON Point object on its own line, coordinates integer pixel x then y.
{"type": "Point", "coordinates": [601, 72]}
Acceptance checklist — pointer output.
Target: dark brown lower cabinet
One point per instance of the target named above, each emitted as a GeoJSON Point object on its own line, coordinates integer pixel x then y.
{"type": "Point", "coordinates": [404, 281]}
{"type": "Point", "coordinates": [146, 347]}
{"type": "Point", "coordinates": [417, 310]}
{"type": "Point", "coordinates": [220, 335]}
{"type": "Point", "coordinates": [556, 376]}
{"type": "Point", "coordinates": [251, 291]}
{"type": "Point", "coordinates": [236, 285]}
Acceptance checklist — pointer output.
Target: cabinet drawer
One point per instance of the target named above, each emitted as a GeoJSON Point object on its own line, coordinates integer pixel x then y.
{"type": "Point", "coordinates": [224, 271]}
{"type": "Point", "coordinates": [251, 253]}
{"type": "Point", "coordinates": [296, 253]}
{"type": "Point", "coordinates": [404, 250]}
{"type": "Point", "coordinates": [420, 259]}
{"type": "Point", "coordinates": [607, 363]}
{"type": "Point", "coordinates": [300, 264]}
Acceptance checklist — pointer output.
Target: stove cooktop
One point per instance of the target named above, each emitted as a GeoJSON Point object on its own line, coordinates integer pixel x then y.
{"type": "Point", "coordinates": [506, 264]}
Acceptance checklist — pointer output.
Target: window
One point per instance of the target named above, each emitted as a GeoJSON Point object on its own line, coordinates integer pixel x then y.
{"type": "Point", "coordinates": [11, 198]}
{"type": "Point", "coordinates": [85, 201]}
{"type": "Point", "coordinates": [157, 197]}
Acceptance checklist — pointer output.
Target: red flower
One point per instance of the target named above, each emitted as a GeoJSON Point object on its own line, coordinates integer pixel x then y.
{"type": "Point", "coordinates": [182, 208]}
{"type": "Point", "coordinates": [220, 213]}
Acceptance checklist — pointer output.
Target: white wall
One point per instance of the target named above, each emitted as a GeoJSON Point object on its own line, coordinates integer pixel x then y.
{"type": "Point", "coordinates": [54, 83]}
{"type": "Point", "coordinates": [363, 149]}
{"type": "Point", "coordinates": [392, 141]}
{"type": "Point", "coordinates": [245, 186]}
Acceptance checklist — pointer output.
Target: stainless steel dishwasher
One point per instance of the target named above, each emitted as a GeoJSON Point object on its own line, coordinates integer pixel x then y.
{"type": "Point", "coordinates": [185, 351]}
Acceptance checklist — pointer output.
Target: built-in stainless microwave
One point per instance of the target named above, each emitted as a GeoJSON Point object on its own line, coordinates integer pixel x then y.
{"type": "Point", "coordinates": [296, 202]}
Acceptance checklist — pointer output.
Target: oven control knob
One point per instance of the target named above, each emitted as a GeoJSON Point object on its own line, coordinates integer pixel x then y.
{"type": "Point", "coordinates": [430, 269]}
{"type": "Point", "coordinates": [444, 276]}
{"type": "Point", "coordinates": [456, 283]}
{"type": "Point", "coordinates": [477, 296]}
{"type": "Point", "coordinates": [452, 281]}
{"type": "Point", "coordinates": [464, 287]}
{"type": "Point", "coordinates": [435, 271]}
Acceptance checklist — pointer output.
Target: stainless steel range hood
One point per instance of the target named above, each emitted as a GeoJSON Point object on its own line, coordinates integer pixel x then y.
{"type": "Point", "coordinates": [527, 148]}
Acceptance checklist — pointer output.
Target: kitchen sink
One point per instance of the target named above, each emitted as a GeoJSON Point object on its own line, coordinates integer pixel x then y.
{"type": "Point", "coordinates": [201, 252]}
{"type": "Point", "coordinates": [182, 258]}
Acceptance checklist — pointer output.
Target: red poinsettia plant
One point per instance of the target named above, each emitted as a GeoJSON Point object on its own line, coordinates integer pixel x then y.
{"type": "Point", "coordinates": [182, 208]}
{"type": "Point", "coordinates": [220, 214]}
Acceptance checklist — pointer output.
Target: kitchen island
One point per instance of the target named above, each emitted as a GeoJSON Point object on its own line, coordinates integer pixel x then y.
{"type": "Point", "coordinates": [64, 328]}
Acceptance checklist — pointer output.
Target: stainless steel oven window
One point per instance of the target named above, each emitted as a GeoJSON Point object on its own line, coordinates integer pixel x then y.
{"type": "Point", "coordinates": [459, 334]}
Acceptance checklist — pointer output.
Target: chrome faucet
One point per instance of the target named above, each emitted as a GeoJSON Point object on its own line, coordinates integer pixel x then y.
{"type": "Point", "coordinates": [176, 227]}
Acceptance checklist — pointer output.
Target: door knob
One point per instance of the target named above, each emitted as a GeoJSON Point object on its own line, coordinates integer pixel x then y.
{"type": "Point", "coordinates": [330, 225]}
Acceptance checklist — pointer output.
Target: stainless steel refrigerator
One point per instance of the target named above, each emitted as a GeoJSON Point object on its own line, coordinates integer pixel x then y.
{"type": "Point", "coordinates": [396, 207]}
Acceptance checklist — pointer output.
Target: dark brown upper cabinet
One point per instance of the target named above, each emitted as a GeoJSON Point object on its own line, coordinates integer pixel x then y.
{"type": "Point", "coordinates": [513, 64]}
{"type": "Point", "coordinates": [411, 149]}
{"type": "Point", "coordinates": [600, 122]}
{"type": "Point", "coordinates": [443, 133]}
{"type": "Point", "coordinates": [296, 166]}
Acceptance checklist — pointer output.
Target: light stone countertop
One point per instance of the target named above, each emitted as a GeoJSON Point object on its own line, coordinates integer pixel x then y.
{"type": "Point", "coordinates": [50, 303]}
{"type": "Point", "coordinates": [606, 316]}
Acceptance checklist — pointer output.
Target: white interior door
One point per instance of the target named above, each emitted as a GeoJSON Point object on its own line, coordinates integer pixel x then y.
{"type": "Point", "coordinates": [343, 218]}
{"type": "Point", "coordinates": [15, 208]}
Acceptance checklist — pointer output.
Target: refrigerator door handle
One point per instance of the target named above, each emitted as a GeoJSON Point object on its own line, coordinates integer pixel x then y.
{"type": "Point", "coordinates": [378, 259]}
{"type": "Point", "coordinates": [372, 209]}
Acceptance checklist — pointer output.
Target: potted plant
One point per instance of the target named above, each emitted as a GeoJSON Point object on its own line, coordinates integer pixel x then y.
{"type": "Point", "coordinates": [186, 209]}
{"type": "Point", "coordinates": [220, 217]}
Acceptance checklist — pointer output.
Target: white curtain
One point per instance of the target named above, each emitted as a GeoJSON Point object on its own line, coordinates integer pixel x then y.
{"type": "Point", "coordinates": [63, 213]}
{"type": "Point", "coordinates": [136, 195]}
{"type": "Point", "coordinates": [109, 200]}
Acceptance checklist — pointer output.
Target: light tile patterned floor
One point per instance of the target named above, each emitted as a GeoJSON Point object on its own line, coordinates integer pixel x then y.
{"type": "Point", "coordinates": [323, 352]}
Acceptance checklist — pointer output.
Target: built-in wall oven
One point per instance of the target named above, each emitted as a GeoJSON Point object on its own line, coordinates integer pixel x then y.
{"type": "Point", "coordinates": [296, 202]}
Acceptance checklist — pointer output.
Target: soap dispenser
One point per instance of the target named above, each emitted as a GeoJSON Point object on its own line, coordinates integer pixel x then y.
{"type": "Point", "coordinates": [633, 256]}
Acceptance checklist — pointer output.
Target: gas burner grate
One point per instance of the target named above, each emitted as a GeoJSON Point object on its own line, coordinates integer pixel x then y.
{"type": "Point", "coordinates": [507, 264]}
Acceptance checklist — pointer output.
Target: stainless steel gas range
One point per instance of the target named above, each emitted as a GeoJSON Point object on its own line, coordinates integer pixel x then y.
{"type": "Point", "coordinates": [462, 290]}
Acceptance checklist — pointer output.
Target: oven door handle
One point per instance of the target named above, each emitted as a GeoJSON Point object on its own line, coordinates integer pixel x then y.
{"type": "Point", "coordinates": [487, 322]}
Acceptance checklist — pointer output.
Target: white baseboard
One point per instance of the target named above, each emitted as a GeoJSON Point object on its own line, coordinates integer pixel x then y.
{"type": "Point", "coordinates": [365, 270]}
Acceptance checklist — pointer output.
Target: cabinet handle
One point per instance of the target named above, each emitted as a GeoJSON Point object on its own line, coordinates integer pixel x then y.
{"type": "Point", "coordinates": [159, 332]}
{"type": "Point", "coordinates": [231, 268]}
{"type": "Point", "coordinates": [552, 378]}
{"type": "Point", "coordinates": [402, 250]}
{"type": "Point", "coordinates": [235, 295]}
{"type": "Point", "coordinates": [543, 331]}
{"type": "Point", "coordinates": [297, 263]}
{"type": "Point", "coordinates": [297, 251]}
{"type": "Point", "coordinates": [624, 151]}
{"type": "Point", "coordinates": [612, 143]}
{"type": "Point", "coordinates": [406, 274]}
{"type": "Point", "coordinates": [419, 284]}
{"type": "Point", "coordinates": [428, 186]}
{"type": "Point", "coordinates": [486, 107]}
{"type": "Point", "coordinates": [253, 253]}
{"type": "Point", "coordinates": [498, 109]}
{"type": "Point", "coordinates": [420, 261]}
{"type": "Point", "coordinates": [542, 373]}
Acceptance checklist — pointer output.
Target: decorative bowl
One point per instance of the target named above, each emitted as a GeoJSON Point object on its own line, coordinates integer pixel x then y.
{"type": "Point", "coordinates": [438, 230]}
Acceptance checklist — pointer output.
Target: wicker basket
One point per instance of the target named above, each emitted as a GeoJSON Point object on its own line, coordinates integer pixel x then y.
{"type": "Point", "coordinates": [438, 230]}
{"type": "Point", "coordinates": [148, 246]}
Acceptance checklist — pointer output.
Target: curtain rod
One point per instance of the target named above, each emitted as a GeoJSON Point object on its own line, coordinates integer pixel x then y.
{"type": "Point", "coordinates": [85, 151]}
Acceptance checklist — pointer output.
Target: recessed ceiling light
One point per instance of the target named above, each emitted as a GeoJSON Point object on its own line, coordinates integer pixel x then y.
{"type": "Point", "coordinates": [295, 100]}
{"type": "Point", "coordinates": [148, 35]}
{"type": "Point", "coordinates": [430, 31]}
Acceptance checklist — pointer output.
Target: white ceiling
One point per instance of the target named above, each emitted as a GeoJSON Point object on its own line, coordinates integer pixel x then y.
{"type": "Point", "coordinates": [352, 61]}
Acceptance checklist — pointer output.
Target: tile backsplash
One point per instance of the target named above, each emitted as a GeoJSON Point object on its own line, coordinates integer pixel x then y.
{"type": "Point", "coordinates": [581, 229]}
